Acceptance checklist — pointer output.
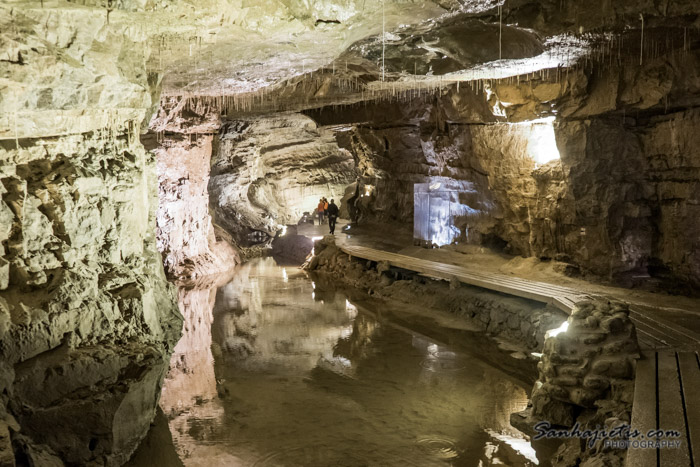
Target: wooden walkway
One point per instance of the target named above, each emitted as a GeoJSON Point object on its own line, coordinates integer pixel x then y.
{"type": "Point", "coordinates": [665, 398]}
{"type": "Point", "coordinates": [652, 332]}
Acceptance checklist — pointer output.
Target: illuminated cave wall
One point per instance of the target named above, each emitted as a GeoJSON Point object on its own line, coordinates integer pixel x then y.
{"type": "Point", "coordinates": [621, 201]}
{"type": "Point", "coordinates": [267, 171]}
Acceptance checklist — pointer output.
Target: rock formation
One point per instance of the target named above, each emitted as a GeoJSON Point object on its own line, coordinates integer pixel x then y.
{"type": "Point", "coordinates": [86, 316]}
{"type": "Point", "coordinates": [540, 186]}
{"type": "Point", "coordinates": [569, 127]}
{"type": "Point", "coordinates": [586, 375]}
{"type": "Point", "coordinates": [268, 171]}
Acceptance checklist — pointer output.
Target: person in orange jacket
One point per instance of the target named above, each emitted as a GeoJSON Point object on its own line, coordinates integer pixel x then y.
{"type": "Point", "coordinates": [321, 210]}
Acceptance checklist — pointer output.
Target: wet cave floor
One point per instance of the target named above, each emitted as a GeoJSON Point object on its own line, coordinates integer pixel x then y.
{"type": "Point", "coordinates": [293, 372]}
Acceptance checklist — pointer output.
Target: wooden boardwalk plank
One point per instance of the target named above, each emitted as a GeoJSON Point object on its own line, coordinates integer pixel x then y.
{"type": "Point", "coordinates": [673, 331]}
{"type": "Point", "coordinates": [661, 336]}
{"type": "Point", "coordinates": [644, 409]}
{"type": "Point", "coordinates": [690, 379]}
{"type": "Point", "coordinates": [646, 341]}
{"type": "Point", "coordinates": [542, 288]}
{"type": "Point", "coordinates": [654, 333]}
{"type": "Point", "coordinates": [643, 330]}
{"type": "Point", "coordinates": [671, 411]}
{"type": "Point", "coordinates": [376, 255]}
{"type": "Point", "coordinates": [534, 290]}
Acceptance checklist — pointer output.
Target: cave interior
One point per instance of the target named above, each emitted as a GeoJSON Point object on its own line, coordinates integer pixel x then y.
{"type": "Point", "coordinates": [150, 147]}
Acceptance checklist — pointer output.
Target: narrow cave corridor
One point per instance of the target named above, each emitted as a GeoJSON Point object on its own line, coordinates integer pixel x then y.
{"type": "Point", "coordinates": [349, 233]}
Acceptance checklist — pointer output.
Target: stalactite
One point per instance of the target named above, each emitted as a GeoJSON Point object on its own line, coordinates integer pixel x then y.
{"type": "Point", "coordinates": [641, 51]}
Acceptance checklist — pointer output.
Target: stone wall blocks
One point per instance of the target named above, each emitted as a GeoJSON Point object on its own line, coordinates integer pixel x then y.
{"type": "Point", "coordinates": [565, 381]}
{"type": "Point", "coordinates": [547, 408]}
{"type": "Point", "coordinates": [554, 390]}
{"type": "Point", "coordinates": [613, 366]}
{"type": "Point", "coordinates": [566, 360]}
{"type": "Point", "coordinates": [577, 371]}
{"type": "Point", "coordinates": [592, 338]}
{"type": "Point", "coordinates": [592, 322]}
{"type": "Point", "coordinates": [513, 322]}
{"type": "Point", "coordinates": [613, 325]}
{"type": "Point", "coordinates": [597, 382]}
{"type": "Point", "coordinates": [584, 397]}
{"type": "Point", "coordinates": [584, 309]}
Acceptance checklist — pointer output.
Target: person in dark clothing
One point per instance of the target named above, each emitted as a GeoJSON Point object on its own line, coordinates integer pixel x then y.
{"type": "Point", "coordinates": [332, 216]}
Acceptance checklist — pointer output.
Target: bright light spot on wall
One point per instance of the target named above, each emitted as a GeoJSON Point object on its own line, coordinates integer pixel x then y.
{"type": "Point", "coordinates": [350, 309]}
{"type": "Point", "coordinates": [313, 250]}
{"type": "Point", "coordinates": [433, 349]}
{"type": "Point", "coordinates": [519, 444]}
{"type": "Point", "coordinates": [285, 278]}
{"type": "Point", "coordinates": [284, 230]}
{"type": "Point", "coordinates": [541, 143]}
{"type": "Point", "coordinates": [437, 205]}
{"type": "Point", "coordinates": [346, 332]}
{"type": "Point", "coordinates": [555, 332]}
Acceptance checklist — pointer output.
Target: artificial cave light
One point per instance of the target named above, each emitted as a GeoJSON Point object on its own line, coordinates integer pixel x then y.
{"type": "Point", "coordinates": [437, 205]}
{"type": "Point", "coordinates": [542, 143]}
{"type": "Point", "coordinates": [350, 309]}
{"type": "Point", "coordinates": [555, 332]}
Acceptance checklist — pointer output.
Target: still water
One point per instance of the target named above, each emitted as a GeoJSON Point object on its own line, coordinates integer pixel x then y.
{"type": "Point", "coordinates": [275, 369]}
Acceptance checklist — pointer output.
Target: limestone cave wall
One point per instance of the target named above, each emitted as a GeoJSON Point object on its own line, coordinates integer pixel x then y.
{"type": "Point", "coordinates": [86, 315]}
{"type": "Point", "coordinates": [87, 318]}
{"type": "Point", "coordinates": [268, 171]}
{"type": "Point", "coordinates": [181, 140]}
{"type": "Point", "coordinates": [620, 201]}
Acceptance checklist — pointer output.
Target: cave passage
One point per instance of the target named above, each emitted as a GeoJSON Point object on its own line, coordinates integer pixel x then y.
{"type": "Point", "coordinates": [517, 184]}
{"type": "Point", "coordinates": [301, 374]}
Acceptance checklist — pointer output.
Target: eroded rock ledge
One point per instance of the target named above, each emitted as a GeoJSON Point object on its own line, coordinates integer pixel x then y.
{"type": "Point", "coordinates": [85, 311]}
{"type": "Point", "coordinates": [267, 171]}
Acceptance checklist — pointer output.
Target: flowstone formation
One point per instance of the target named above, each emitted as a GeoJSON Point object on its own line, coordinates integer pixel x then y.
{"type": "Point", "coordinates": [586, 376]}
{"type": "Point", "coordinates": [182, 140]}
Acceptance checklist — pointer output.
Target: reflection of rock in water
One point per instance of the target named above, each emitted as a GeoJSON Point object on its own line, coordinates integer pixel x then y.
{"type": "Point", "coordinates": [305, 378]}
{"type": "Point", "coordinates": [190, 389]}
{"type": "Point", "coordinates": [191, 375]}
{"type": "Point", "coordinates": [269, 313]}
{"type": "Point", "coordinates": [357, 345]}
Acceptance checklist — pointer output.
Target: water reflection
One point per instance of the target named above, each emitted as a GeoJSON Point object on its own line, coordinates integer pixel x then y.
{"type": "Point", "coordinates": [274, 370]}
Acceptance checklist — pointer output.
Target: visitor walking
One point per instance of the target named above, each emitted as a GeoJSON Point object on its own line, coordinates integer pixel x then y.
{"type": "Point", "coordinates": [332, 216]}
{"type": "Point", "coordinates": [321, 210]}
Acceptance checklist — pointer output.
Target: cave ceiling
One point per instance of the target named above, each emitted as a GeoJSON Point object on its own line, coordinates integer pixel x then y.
{"type": "Point", "coordinates": [68, 66]}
